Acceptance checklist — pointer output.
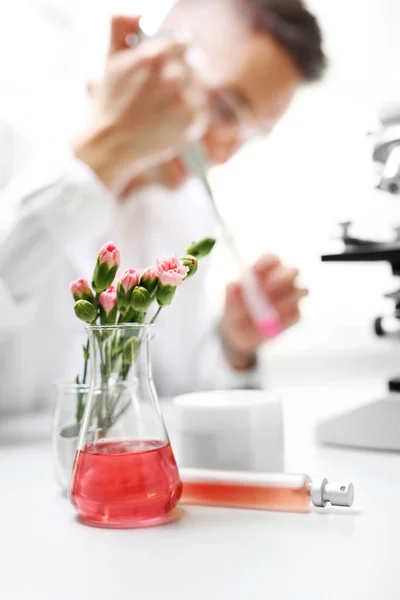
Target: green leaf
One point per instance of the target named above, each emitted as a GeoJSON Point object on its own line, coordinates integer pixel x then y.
{"type": "Point", "coordinates": [202, 248]}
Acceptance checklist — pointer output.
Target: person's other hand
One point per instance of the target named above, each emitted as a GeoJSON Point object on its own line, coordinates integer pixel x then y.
{"type": "Point", "coordinates": [240, 336]}
{"type": "Point", "coordinates": [139, 108]}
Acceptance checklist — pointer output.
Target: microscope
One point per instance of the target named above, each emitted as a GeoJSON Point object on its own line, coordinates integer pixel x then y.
{"type": "Point", "coordinates": [375, 426]}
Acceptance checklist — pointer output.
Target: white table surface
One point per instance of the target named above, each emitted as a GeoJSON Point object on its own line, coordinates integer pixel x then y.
{"type": "Point", "coordinates": [211, 553]}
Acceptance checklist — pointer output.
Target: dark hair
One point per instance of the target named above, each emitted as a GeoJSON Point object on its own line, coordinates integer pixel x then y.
{"type": "Point", "coordinates": [294, 28]}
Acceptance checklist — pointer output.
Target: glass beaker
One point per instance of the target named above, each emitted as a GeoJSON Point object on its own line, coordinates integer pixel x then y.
{"type": "Point", "coordinates": [125, 474]}
{"type": "Point", "coordinates": [70, 401]}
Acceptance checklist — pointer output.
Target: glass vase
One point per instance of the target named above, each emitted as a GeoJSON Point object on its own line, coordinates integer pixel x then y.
{"type": "Point", "coordinates": [70, 401]}
{"type": "Point", "coordinates": [124, 474]}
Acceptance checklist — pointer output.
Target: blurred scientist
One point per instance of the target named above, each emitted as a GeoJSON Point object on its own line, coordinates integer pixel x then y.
{"type": "Point", "coordinates": [261, 52]}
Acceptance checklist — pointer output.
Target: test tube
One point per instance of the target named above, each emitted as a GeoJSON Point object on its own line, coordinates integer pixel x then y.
{"type": "Point", "coordinates": [263, 491]}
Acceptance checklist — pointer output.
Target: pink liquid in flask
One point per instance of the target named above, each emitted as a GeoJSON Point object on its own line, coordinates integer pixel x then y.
{"type": "Point", "coordinates": [126, 484]}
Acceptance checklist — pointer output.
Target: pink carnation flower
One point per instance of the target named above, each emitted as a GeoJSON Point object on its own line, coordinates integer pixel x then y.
{"type": "Point", "coordinates": [130, 279]}
{"type": "Point", "coordinates": [171, 271]}
{"type": "Point", "coordinates": [109, 254]}
{"type": "Point", "coordinates": [108, 299]}
{"type": "Point", "coordinates": [151, 273]}
{"type": "Point", "coordinates": [79, 288]}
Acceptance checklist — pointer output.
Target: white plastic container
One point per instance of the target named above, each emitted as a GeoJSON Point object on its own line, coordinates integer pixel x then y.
{"type": "Point", "coordinates": [230, 430]}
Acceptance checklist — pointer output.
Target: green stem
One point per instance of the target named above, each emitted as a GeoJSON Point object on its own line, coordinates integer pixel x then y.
{"type": "Point", "coordinates": [80, 407]}
{"type": "Point", "coordinates": [78, 414]}
{"type": "Point", "coordinates": [104, 379]}
{"type": "Point", "coordinates": [121, 412]}
{"type": "Point", "coordinates": [85, 367]}
{"type": "Point", "coordinates": [156, 315]}
{"type": "Point", "coordinates": [113, 402]}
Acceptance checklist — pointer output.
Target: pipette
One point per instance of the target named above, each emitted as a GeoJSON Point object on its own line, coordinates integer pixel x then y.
{"type": "Point", "coordinates": [264, 315]}
{"type": "Point", "coordinates": [261, 310]}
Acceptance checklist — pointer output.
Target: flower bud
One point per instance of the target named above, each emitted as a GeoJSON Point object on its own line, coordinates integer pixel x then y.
{"type": "Point", "coordinates": [108, 318]}
{"type": "Point", "coordinates": [80, 290]}
{"type": "Point", "coordinates": [149, 280]}
{"type": "Point", "coordinates": [110, 255]}
{"type": "Point", "coordinates": [165, 294]}
{"type": "Point", "coordinates": [191, 263]}
{"type": "Point", "coordinates": [107, 265]}
{"type": "Point", "coordinates": [108, 306]}
{"type": "Point", "coordinates": [85, 311]}
{"type": "Point", "coordinates": [141, 299]}
{"type": "Point", "coordinates": [129, 280]}
{"type": "Point", "coordinates": [202, 248]}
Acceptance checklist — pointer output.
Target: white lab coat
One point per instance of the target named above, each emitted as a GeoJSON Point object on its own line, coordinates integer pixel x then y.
{"type": "Point", "coordinates": [53, 220]}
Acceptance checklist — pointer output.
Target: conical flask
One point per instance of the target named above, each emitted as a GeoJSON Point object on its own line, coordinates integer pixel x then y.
{"type": "Point", "coordinates": [124, 474]}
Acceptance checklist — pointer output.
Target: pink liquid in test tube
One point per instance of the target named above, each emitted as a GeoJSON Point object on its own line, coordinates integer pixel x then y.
{"type": "Point", "coordinates": [263, 313]}
{"type": "Point", "coordinates": [263, 491]}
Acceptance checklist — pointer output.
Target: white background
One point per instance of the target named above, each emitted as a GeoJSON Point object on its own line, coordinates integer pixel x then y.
{"type": "Point", "coordinates": [284, 194]}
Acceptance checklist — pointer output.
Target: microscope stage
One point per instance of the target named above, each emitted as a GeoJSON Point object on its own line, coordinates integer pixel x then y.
{"type": "Point", "coordinates": [378, 252]}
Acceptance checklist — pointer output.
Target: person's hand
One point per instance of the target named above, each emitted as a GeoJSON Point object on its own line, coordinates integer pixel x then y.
{"type": "Point", "coordinates": [240, 336]}
{"type": "Point", "coordinates": [220, 144]}
{"type": "Point", "coordinates": [140, 108]}
{"type": "Point", "coordinates": [171, 175]}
